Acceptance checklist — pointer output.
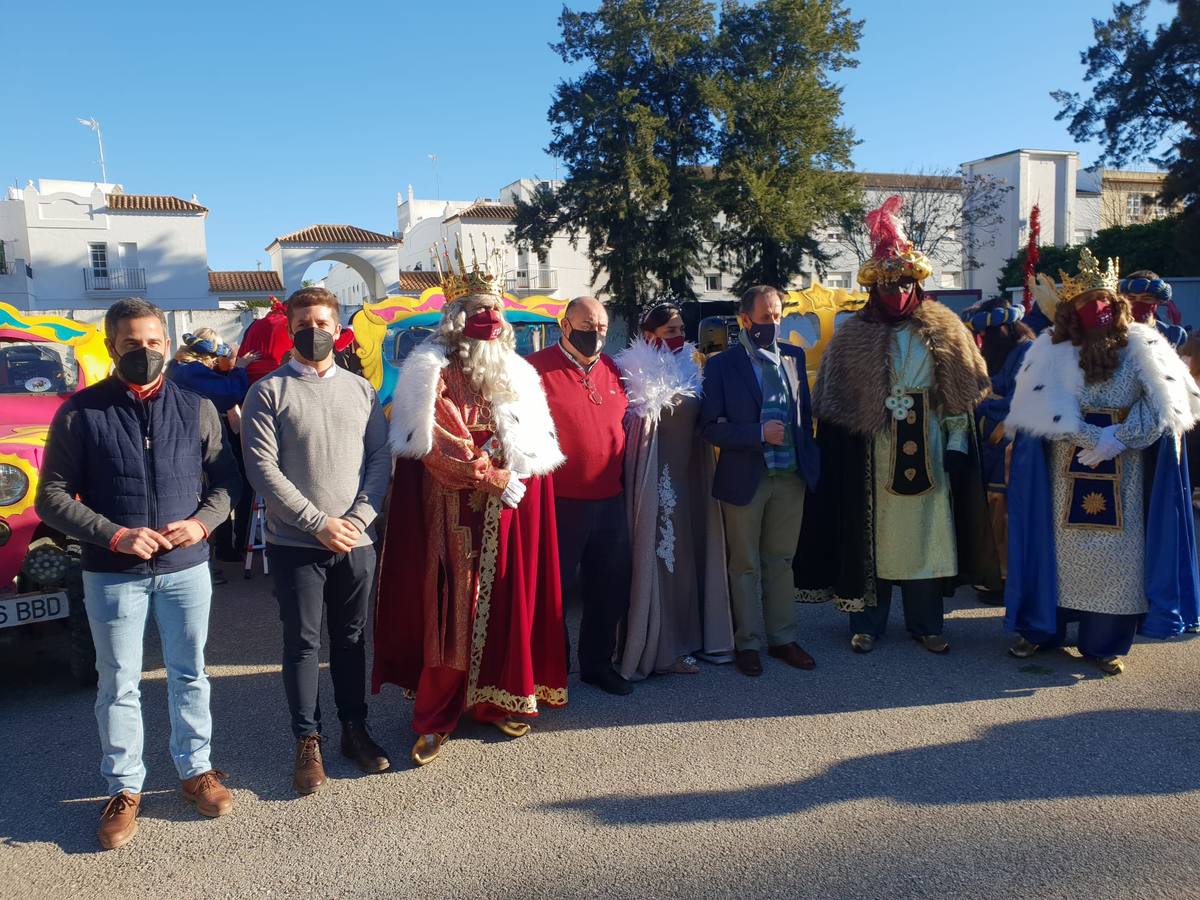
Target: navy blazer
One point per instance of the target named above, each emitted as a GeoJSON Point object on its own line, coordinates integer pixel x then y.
{"type": "Point", "coordinates": [730, 418]}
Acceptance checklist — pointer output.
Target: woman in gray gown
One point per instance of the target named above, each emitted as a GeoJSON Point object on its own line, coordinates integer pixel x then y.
{"type": "Point", "coordinates": [679, 600]}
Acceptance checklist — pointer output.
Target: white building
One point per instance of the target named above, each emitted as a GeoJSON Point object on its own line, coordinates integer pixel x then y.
{"type": "Point", "coordinates": [79, 245]}
{"type": "Point", "coordinates": [1069, 201]}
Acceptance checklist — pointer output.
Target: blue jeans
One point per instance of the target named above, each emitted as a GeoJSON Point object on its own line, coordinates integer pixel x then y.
{"type": "Point", "coordinates": [118, 606]}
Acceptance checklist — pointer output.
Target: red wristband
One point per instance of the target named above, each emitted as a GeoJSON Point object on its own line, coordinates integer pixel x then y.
{"type": "Point", "coordinates": [112, 545]}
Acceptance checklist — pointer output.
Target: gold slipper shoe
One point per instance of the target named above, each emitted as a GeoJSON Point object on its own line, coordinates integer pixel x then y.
{"type": "Point", "coordinates": [427, 748]}
{"type": "Point", "coordinates": [513, 728]}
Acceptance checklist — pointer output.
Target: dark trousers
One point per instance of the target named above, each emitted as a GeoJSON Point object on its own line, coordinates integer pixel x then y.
{"type": "Point", "coordinates": [1100, 634]}
{"type": "Point", "coordinates": [594, 556]}
{"type": "Point", "coordinates": [229, 538]}
{"type": "Point", "coordinates": [308, 580]}
{"type": "Point", "coordinates": [923, 610]}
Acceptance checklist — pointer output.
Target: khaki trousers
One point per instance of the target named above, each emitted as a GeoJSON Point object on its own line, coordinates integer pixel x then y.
{"type": "Point", "coordinates": [762, 537]}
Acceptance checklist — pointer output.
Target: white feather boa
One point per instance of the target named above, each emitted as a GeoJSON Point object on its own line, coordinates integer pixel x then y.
{"type": "Point", "coordinates": [656, 379]}
{"type": "Point", "coordinates": [1046, 398]}
{"type": "Point", "coordinates": [523, 426]}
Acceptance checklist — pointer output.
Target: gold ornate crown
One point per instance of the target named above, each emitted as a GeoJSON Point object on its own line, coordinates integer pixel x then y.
{"type": "Point", "coordinates": [487, 278]}
{"type": "Point", "coordinates": [1090, 278]}
{"type": "Point", "coordinates": [907, 263]}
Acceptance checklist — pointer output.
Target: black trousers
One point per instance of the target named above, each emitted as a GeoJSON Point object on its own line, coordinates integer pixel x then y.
{"type": "Point", "coordinates": [923, 608]}
{"type": "Point", "coordinates": [594, 556]}
{"type": "Point", "coordinates": [308, 581]}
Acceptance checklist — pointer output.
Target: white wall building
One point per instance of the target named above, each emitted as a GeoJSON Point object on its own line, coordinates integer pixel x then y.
{"type": "Point", "coordinates": [80, 245]}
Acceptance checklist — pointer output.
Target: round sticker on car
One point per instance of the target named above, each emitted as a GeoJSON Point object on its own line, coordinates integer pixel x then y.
{"type": "Point", "coordinates": [38, 385]}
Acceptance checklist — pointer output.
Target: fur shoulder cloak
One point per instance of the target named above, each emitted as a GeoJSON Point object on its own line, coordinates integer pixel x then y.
{"type": "Point", "coordinates": [835, 559]}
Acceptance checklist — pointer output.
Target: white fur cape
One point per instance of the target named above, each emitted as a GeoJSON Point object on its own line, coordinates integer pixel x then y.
{"type": "Point", "coordinates": [655, 379]}
{"type": "Point", "coordinates": [1046, 398]}
{"type": "Point", "coordinates": [524, 426]}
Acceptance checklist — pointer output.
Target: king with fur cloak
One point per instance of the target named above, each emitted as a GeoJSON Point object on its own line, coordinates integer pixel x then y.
{"type": "Point", "coordinates": [1100, 519]}
{"type": "Point", "coordinates": [901, 501]}
{"type": "Point", "coordinates": [469, 609]}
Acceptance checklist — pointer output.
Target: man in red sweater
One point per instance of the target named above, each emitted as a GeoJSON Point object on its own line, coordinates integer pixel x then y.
{"type": "Point", "coordinates": [587, 401]}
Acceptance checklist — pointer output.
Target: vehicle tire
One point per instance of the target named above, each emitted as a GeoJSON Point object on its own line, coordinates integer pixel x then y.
{"type": "Point", "coordinates": [83, 651]}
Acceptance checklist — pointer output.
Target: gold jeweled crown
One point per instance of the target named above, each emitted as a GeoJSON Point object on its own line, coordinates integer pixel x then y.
{"type": "Point", "coordinates": [1090, 277]}
{"type": "Point", "coordinates": [487, 278]}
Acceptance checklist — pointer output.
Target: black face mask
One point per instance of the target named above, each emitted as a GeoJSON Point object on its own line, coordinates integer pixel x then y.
{"type": "Point", "coordinates": [314, 344]}
{"type": "Point", "coordinates": [588, 343]}
{"type": "Point", "coordinates": [140, 366]}
{"type": "Point", "coordinates": [762, 335]}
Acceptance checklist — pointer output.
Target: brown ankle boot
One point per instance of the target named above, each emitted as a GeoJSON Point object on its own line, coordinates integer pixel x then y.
{"type": "Point", "coordinates": [309, 773]}
{"type": "Point", "coordinates": [118, 822]}
{"type": "Point", "coordinates": [212, 798]}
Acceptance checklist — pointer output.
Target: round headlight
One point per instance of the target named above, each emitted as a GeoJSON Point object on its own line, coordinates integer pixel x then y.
{"type": "Point", "coordinates": [13, 484]}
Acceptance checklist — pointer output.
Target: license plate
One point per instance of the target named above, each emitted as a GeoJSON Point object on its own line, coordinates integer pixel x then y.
{"type": "Point", "coordinates": [26, 608]}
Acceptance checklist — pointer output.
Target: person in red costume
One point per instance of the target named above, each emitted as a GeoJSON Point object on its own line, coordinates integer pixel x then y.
{"type": "Point", "coordinates": [269, 338]}
{"type": "Point", "coordinates": [469, 610]}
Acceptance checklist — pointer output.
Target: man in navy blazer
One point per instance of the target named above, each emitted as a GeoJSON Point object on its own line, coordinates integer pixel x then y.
{"type": "Point", "coordinates": [758, 412]}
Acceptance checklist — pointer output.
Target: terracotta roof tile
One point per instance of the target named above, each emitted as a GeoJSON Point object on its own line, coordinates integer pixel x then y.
{"type": "Point", "coordinates": [888, 181]}
{"type": "Point", "coordinates": [485, 209]}
{"type": "Point", "coordinates": [335, 234]}
{"type": "Point", "coordinates": [245, 282]}
{"type": "Point", "coordinates": [152, 203]}
{"type": "Point", "coordinates": [416, 282]}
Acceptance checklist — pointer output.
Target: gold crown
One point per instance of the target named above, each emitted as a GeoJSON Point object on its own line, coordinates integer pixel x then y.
{"type": "Point", "coordinates": [909, 263]}
{"type": "Point", "coordinates": [1090, 278]}
{"type": "Point", "coordinates": [478, 279]}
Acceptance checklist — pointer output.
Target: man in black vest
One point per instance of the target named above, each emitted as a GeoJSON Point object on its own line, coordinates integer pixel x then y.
{"type": "Point", "coordinates": [136, 469]}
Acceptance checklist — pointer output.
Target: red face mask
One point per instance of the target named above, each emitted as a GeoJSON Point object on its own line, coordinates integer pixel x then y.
{"type": "Point", "coordinates": [674, 344]}
{"type": "Point", "coordinates": [1143, 312]}
{"type": "Point", "coordinates": [900, 303]}
{"type": "Point", "coordinates": [484, 325]}
{"type": "Point", "coordinates": [1096, 313]}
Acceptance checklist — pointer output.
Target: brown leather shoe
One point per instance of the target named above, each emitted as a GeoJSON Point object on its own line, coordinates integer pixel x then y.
{"type": "Point", "coordinates": [360, 749]}
{"type": "Point", "coordinates": [212, 798]}
{"type": "Point", "coordinates": [309, 773]}
{"type": "Point", "coordinates": [794, 655]}
{"type": "Point", "coordinates": [118, 822]}
{"type": "Point", "coordinates": [748, 663]}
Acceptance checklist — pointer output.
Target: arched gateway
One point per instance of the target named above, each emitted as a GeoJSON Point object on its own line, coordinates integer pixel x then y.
{"type": "Point", "coordinates": [371, 254]}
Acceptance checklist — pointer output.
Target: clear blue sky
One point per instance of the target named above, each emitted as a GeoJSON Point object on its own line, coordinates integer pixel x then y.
{"type": "Point", "coordinates": [281, 116]}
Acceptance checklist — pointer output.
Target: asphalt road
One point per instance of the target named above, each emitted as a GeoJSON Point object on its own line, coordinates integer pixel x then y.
{"type": "Point", "coordinates": [898, 774]}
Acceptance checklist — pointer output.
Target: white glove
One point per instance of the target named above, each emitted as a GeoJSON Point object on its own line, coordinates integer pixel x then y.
{"type": "Point", "coordinates": [1108, 447]}
{"type": "Point", "coordinates": [513, 492]}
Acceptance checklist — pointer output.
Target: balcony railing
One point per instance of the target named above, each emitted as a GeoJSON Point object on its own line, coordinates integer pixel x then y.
{"type": "Point", "coordinates": [125, 280]}
{"type": "Point", "coordinates": [533, 281]}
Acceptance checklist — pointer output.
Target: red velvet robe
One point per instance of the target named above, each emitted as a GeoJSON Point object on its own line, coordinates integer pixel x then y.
{"type": "Point", "coordinates": [469, 607]}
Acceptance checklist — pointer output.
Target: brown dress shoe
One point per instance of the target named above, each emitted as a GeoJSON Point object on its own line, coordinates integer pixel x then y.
{"type": "Point", "coordinates": [794, 655]}
{"type": "Point", "coordinates": [360, 749]}
{"type": "Point", "coordinates": [309, 773]}
{"type": "Point", "coordinates": [748, 663]}
{"type": "Point", "coordinates": [212, 798]}
{"type": "Point", "coordinates": [118, 822]}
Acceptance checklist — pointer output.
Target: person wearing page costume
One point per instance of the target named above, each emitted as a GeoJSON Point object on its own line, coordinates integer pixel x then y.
{"type": "Point", "coordinates": [1100, 524]}
{"type": "Point", "coordinates": [1004, 340]}
{"type": "Point", "coordinates": [679, 600]}
{"type": "Point", "coordinates": [1147, 293]}
{"type": "Point", "coordinates": [469, 615]}
{"type": "Point", "coordinates": [901, 502]}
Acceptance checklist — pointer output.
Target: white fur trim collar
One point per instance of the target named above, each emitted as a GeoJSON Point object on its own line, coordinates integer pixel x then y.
{"type": "Point", "coordinates": [524, 426]}
{"type": "Point", "coordinates": [656, 380]}
{"type": "Point", "coordinates": [1046, 398]}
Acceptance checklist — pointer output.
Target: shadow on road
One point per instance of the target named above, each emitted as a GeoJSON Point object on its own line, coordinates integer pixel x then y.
{"type": "Point", "coordinates": [1093, 754]}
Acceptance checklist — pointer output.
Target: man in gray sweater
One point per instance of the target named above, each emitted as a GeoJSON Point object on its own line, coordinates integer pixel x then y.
{"type": "Point", "coordinates": [314, 439]}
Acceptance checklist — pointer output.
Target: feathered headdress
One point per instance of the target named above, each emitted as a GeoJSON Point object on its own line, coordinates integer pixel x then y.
{"type": "Point", "coordinates": [892, 254]}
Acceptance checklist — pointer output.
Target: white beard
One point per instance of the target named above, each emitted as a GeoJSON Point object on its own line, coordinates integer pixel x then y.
{"type": "Point", "coordinates": [485, 364]}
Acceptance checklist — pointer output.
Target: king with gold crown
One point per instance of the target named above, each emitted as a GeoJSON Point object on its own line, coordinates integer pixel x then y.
{"type": "Point", "coordinates": [1100, 521]}
{"type": "Point", "coordinates": [469, 609]}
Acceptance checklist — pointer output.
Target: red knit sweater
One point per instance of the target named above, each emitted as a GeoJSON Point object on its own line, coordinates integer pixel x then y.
{"type": "Point", "coordinates": [592, 436]}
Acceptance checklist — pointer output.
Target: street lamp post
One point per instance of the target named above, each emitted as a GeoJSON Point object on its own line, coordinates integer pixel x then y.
{"type": "Point", "coordinates": [94, 125]}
